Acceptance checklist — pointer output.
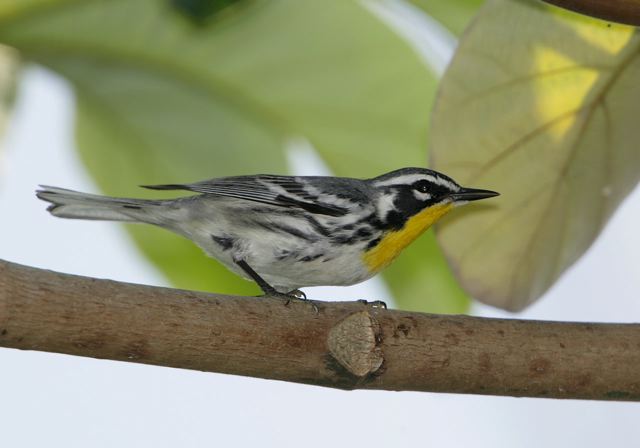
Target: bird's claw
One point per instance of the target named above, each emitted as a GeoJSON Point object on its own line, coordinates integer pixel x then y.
{"type": "Point", "coordinates": [296, 294]}
{"type": "Point", "coordinates": [374, 304]}
{"type": "Point", "coordinates": [299, 295]}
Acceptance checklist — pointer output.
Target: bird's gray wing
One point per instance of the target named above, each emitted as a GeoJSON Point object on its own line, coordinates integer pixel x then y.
{"type": "Point", "coordinates": [282, 191]}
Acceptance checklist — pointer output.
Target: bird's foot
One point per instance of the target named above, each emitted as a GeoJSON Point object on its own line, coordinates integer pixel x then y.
{"type": "Point", "coordinates": [296, 293]}
{"type": "Point", "coordinates": [374, 304]}
{"type": "Point", "coordinates": [290, 296]}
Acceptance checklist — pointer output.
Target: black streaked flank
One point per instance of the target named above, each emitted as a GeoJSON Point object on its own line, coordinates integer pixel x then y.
{"type": "Point", "coordinates": [282, 211]}
{"type": "Point", "coordinates": [225, 242]}
{"type": "Point", "coordinates": [133, 207]}
{"type": "Point", "coordinates": [374, 243]}
{"type": "Point", "coordinates": [311, 257]}
{"type": "Point", "coordinates": [372, 220]}
{"type": "Point", "coordinates": [344, 239]}
{"type": "Point", "coordinates": [317, 226]}
{"type": "Point", "coordinates": [287, 230]}
{"type": "Point", "coordinates": [283, 254]}
{"type": "Point", "coordinates": [364, 233]}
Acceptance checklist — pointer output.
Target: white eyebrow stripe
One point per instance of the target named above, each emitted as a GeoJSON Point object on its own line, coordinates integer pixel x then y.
{"type": "Point", "coordinates": [406, 179]}
{"type": "Point", "coordinates": [445, 183]}
{"type": "Point", "coordinates": [411, 178]}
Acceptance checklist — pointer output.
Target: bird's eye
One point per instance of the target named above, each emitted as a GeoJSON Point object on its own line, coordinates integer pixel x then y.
{"type": "Point", "coordinates": [422, 186]}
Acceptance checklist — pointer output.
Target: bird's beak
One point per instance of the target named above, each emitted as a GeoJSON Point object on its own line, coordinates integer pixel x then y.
{"type": "Point", "coordinates": [472, 194]}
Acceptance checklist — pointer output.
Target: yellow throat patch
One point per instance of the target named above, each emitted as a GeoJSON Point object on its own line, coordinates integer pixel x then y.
{"type": "Point", "coordinates": [394, 242]}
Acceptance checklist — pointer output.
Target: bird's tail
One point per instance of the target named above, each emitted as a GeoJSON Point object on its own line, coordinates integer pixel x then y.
{"type": "Point", "coordinates": [75, 205]}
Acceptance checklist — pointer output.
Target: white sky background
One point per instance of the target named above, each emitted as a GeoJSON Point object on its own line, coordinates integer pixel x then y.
{"type": "Point", "coordinates": [63, 401]}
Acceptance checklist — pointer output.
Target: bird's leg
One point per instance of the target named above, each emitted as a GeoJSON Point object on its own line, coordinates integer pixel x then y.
{"type": "Point", "coordinates": [270, 290]}
{"type": "Point", "coordinates": [266, 287]}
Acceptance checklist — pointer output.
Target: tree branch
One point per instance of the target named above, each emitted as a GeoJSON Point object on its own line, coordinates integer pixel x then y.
{"type": "Point", "coordinates": [342, 345]}
{"type": "Point", "coordinates": [621, 11]}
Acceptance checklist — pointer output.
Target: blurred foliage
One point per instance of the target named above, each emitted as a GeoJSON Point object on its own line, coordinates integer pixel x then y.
{"type": "Point", "coordinates": [541, 105]}
{"type": "Point", "coordinates": [163, 98]}
{"type": "Point", "coordinates": [453, 14]}
{"type": "Point", "coordinates": [201, 11]}
{"type": "Point", "coordinates": [9, 65]}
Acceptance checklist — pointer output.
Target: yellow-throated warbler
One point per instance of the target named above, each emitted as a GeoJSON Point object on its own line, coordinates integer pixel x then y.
{"type": "Point", "coordinates": [288, 232]}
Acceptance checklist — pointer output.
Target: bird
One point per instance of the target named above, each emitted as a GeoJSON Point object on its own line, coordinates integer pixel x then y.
{"type": "Point", "coordinates": [289, 232]}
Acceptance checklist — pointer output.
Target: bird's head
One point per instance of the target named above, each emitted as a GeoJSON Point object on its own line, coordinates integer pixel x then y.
{"type": "Point", "coordinates": [411, 192]}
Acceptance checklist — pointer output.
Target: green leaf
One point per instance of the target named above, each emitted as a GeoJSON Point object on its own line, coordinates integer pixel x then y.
{"type": "Point", "coordinates": [455, 15]}
{"type": "Point", "coordinates": [422, 280]}
{"type": "Point", "coordinates": [202, 11]}
{"type": "Point", "coordinates": [541, 105]}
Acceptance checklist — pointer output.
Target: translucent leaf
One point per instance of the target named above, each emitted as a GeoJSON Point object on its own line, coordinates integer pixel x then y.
{"type": "Point", "coordinates": [541, 105]}
{"type": "Point", "coordinates": [455, 15]}
{"type": "Point", "coordinates": [163, 100]}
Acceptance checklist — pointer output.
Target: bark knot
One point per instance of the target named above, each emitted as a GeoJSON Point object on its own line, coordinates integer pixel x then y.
{"type": "Point", "coordinates": [353, 342]}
